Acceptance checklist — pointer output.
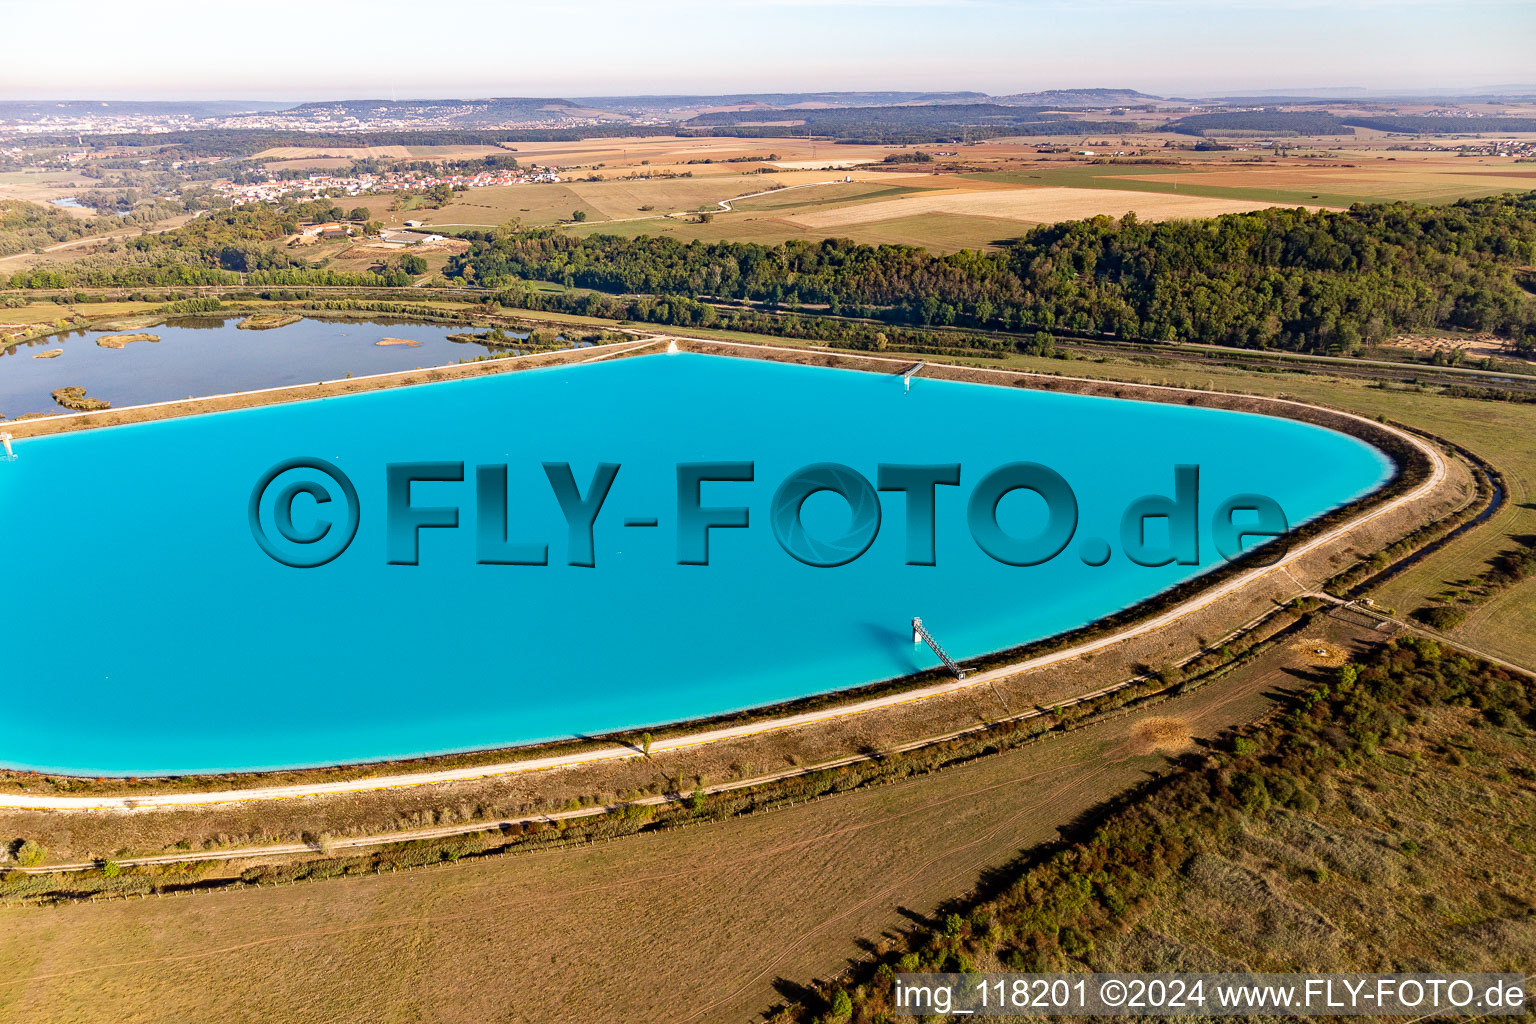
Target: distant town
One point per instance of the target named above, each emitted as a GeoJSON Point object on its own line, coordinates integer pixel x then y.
{"type": "Point", "coordinates": [22, 120]}
{"type": "Point", "coordinates": [318, 185]}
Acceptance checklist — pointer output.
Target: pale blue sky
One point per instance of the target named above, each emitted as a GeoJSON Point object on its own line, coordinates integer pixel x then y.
{"type": "Point", "coordinates": [285, 49]}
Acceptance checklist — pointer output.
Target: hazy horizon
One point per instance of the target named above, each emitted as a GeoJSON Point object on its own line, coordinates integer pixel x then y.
{"type": "Point", "coordinates": [286, 52]}
{"type": "Point", "coordinates": [1299, 92]}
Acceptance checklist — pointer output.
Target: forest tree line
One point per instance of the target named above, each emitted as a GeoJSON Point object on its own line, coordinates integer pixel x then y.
{"type": "Point", "coordinates": [1328, 281]}
{"type": "Point", "coordinates": [1323, 122]}
{"type": "Point", "coordinates": [1280, 278]}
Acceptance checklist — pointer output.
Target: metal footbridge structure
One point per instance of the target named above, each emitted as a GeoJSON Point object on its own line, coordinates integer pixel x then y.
{"type": "Point", "coordinates": [920, 635]}
{"type": "Point", "coordinates": [908, 374]}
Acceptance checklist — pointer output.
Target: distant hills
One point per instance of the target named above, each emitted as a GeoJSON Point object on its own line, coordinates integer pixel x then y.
{"type": "Point", "coordinates": [1320, 122]}
{"type": "Point", "coordinates": [497, 111]}
{"type": "Point", "coordinates": [885, 117]}
{"type": "Point", "coordinates": [1069, 98]}
{"type": "Point", "coordinates": [674, 104]}
{"type": "Point", "coordinates": [899, 123]}
{"type": "Point", "coordinates": [469, 113]}
{"type": "Point", "coordinates": [31, 110]}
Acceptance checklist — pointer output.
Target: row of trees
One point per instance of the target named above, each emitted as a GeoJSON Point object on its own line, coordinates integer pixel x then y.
{"type": "Point", "coordinates": [1326, 281]}
{"type": "Point", "coordinates": [682, 311]}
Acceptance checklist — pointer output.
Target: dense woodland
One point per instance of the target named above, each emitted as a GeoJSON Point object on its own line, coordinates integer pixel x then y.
{"type": "Point", "coordinates": [1316, 282]}
{"type": "Point", "coordinates": [1298, 122]}
{"type": "Point", "coordinates": [223, 247]}
{"type": "Point", "coordinates": [1321, 122]}
{"type": "Point", "coordinates": [28, 226]}
{"type": "Point", "coordinates": [1436, 124]}
{"type": "Point", "coordinates": [903, 123]}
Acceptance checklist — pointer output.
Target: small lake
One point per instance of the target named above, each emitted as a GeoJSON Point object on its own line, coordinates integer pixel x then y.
{"type": "Point", "coordinates": [197, 357]}
{"type": "Point", "coordinates": [150, 632]}
{"type": "Point", "coordinates": [71, 203]}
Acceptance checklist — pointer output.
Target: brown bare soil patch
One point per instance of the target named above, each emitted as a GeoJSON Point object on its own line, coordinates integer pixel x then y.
{"type": "Point", "coordinates": [1321, 652]}
{"type": "Point", "coordinates": [1480, 346]}
{"type": "Point", "coordinates": [1168, 735]}
{"type": "Point", "coordinates": [386, 342]}
{"type": "Point", "coordinates": [1033, 205]}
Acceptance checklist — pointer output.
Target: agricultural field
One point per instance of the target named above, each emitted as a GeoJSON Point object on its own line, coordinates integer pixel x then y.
{"type": "Point", "coordinates": [1336, 179]}
{"type": "Point", "coordinates": [976, 195]}
{"type": "Point", "coordinates": [928, 213]}
{"type": "Point", "coordinates": [913, 209]}
{"type": "Point", "coordinates": [1029, 206]}
{"type": "Point", "coordinates": [640, 200]}
{"type": "Point", "coordinates": [670, 153]}
{"type": "Point", "coordinates": [982, 197]}
{"type": "Point", "coordinates": [42, 186]}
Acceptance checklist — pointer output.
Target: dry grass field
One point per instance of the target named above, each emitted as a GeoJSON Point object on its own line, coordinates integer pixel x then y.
{"type": "Point", "coordinates": [669, 151]}
{"type": "Point", "coordinates": [693, 925]}
{"type": "Point", "coordinates": [43, 186]}
{"type": "Point", "coordinates": [1334, 177]}
{"type": "Point", "coordinates": [1422, 855]}
{"type": "Point", "coordinates": [1420, 180]}
{"type": "Point", "coordinates": [643, 200]}
{"type": "Point", "coordinates": [982, 196]}
{"type": "Point", "coordinates": [1028, 205]}
{"type": "Point", "coordinates": [926, 210]}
